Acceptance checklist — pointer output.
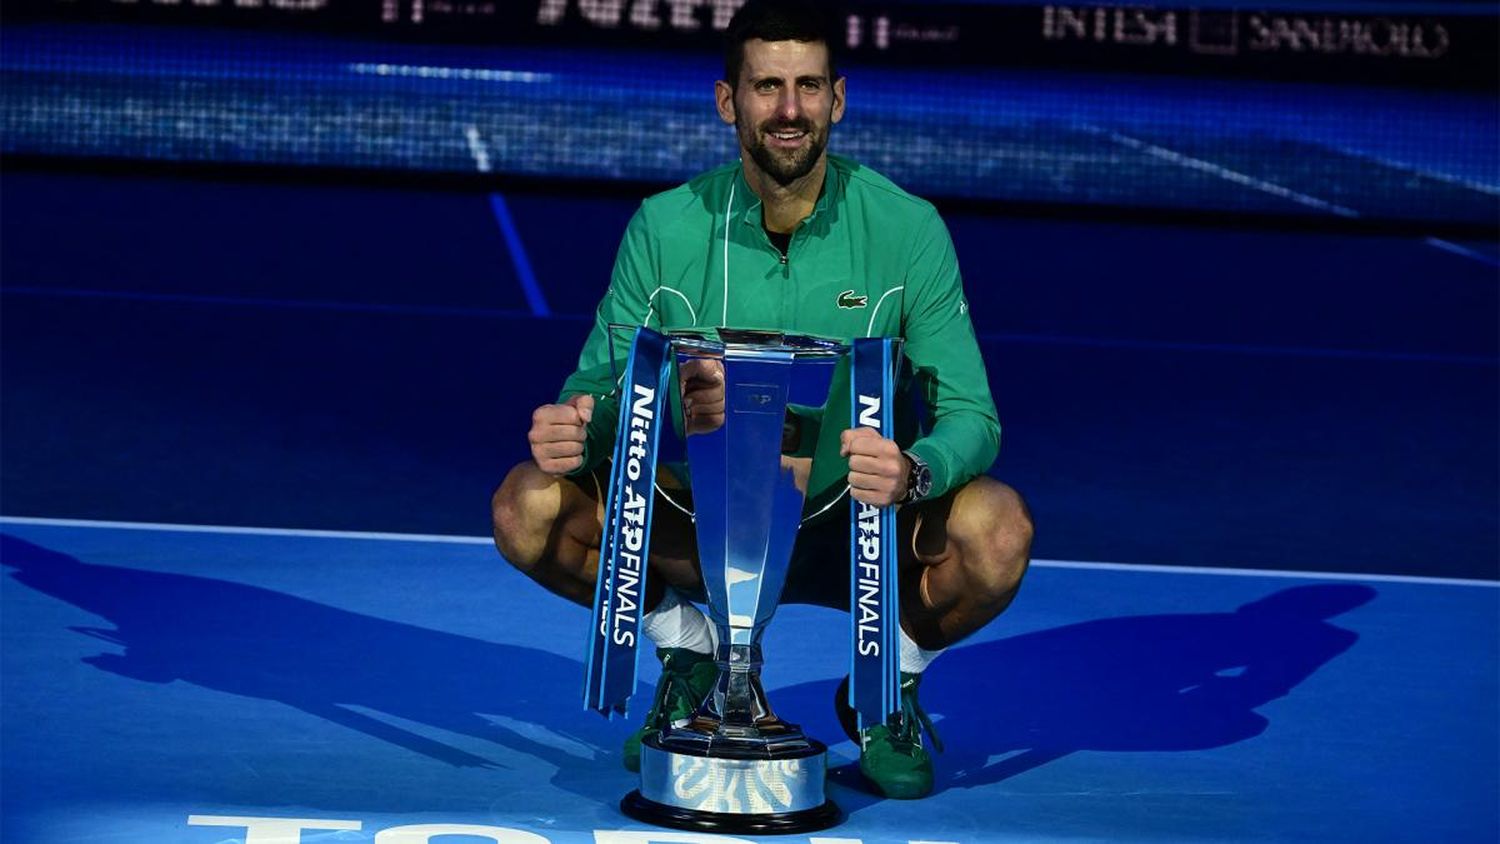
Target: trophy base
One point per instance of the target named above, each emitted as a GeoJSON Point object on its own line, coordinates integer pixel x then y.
{"type": "Point", "coordinates": [762, 791]}
{"type": "Point", "coordinates": [730, 823]}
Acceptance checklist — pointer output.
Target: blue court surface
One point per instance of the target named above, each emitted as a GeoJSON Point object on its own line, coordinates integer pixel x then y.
{"type": "Point", "coordinates": [161, 682]}
{"type": "Point", "coordinates": [287, 356]}
{"type": "Point", "coordinates": [364, 358]}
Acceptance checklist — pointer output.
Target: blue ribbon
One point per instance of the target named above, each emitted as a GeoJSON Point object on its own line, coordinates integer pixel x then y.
{"type": "Point", "coordinates": [874, 606]}
{"type": "Point", "coordinates": [621, 584]}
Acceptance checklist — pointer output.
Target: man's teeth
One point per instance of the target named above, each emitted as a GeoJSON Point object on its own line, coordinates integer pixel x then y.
{"type": "Point", "coordinates": [787, 136]}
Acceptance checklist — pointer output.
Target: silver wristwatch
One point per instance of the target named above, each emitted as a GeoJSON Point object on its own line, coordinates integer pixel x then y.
{"type": "Point", "coordinates": [918, 479]}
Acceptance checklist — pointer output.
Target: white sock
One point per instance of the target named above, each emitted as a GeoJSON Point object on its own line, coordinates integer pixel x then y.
{"type": "Point", "coordinates": [676, 623]}
{"type": "Point", "coordinates": [914, 659]}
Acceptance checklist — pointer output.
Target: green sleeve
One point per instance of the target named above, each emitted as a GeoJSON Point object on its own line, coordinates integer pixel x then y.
{"type": "Point", "coordinates": [944, 354]}
{"type": "Point", "coordinates": [601, 363]}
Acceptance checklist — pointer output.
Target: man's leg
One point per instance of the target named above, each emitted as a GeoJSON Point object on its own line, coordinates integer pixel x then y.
{"type": "Point", "coordinates": [550, 528]}
{"type": "Point", "coordinates": [962, 562]}
{"type": "Point", "coordinates": [967, 554]}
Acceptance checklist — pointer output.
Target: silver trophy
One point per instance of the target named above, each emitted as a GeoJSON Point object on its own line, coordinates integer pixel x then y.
{"type": "Point", "coordinates": [734, 766]}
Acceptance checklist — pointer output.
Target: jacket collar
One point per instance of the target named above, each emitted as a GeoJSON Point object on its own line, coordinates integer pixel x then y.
{"type": "Point", "coordinates": [751, 215]}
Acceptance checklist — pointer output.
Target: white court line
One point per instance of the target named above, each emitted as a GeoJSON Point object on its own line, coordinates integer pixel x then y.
{"type": "Point", "coordinates": [484, 540]}
{"type": "Point", "coordinates": [473, 74]}
{"type": "Point", "coordinates": [1462, 252]}
{"type": "Point", "coordinates": [1222, 172]}
{"type": "Point", "coordinates": [1287, 193]}
{"type": "Point", "coordinates": [1456, 181]}
{"type": "Point", "coordinates": [1286, 573]}
{"type": "Point", "coordinates": [477, 148]}
{"type": "Point", "coordinates": [250, 531]}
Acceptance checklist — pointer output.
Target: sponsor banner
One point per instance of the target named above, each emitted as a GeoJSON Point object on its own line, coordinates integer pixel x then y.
{"type": "Point", "coordinates": [874, 608]}
{"type": "Point", "coordinates": [621, 583]}
{"type": "Point", "coordinates": [1456, 44]}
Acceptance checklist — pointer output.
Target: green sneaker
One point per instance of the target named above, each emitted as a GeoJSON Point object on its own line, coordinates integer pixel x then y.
{"type": "Point", "coordinates": [891, 755]}
{"type": "Point", "coordinates": [686, 679]}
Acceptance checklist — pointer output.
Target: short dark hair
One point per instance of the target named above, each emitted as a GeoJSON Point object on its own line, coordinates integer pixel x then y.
{"type": "Point", "coordinates": [776, 20]}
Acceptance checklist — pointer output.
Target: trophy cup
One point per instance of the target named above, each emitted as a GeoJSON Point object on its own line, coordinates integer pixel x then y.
{"type": "Point", "coordinates": [733, 766]}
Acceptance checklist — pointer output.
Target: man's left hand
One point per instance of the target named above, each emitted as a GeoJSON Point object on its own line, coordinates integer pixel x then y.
{"type": "Point", "coordinates": [877, 468]}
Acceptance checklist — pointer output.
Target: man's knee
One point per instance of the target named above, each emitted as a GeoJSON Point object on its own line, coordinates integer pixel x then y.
{"type": "Point", "coordinates": [524, 512]}
{"type": "Point", "coordinates": [992, 527]}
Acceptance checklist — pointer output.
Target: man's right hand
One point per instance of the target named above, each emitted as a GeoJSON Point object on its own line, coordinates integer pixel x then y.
{"type": "Point", "coordinates": [702, 384]}
{"type": "Point", "coordinates": [557, 433]}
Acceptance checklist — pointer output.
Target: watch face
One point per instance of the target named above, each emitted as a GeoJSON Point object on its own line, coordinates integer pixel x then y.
{"type": "Point", "coordinates": [919, 482]}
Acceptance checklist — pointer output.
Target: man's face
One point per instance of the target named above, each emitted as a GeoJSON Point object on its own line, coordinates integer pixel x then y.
{"type": "Point", "coordinates": [783, 106]}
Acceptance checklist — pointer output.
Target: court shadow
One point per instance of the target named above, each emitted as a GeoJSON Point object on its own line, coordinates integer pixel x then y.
{"type": "Point", "coordinates": [332, 663]}
{"type": "Point", "coordinates": [1190, 681]}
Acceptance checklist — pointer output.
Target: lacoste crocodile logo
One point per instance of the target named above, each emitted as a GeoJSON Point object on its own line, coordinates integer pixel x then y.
{"type": "Point", "coordinates": [847, 299]}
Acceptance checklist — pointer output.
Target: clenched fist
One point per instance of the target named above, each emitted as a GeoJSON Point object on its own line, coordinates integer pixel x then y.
{"type": "Point", "coordinates": [877, 468]}
{"type": "Point", "coordinates": [702, 384]}
{"type": "Point", "coordinates": [557, 433]}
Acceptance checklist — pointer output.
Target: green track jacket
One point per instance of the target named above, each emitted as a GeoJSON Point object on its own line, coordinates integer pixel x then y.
{"type": "Point", "coordinates": [871, 260]}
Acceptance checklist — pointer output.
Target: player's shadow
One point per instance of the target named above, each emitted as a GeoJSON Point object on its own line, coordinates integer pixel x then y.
{"type": "Point", "coordinates": [325, 661]}
{"type": "Point", "coordinates": [1135, 683]}
{"type": "Point", "coordinates": [1188, 681]}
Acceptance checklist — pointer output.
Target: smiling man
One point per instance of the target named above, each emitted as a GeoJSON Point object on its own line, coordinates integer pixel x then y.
{"type": "Point", "coordinates": [791, 238]}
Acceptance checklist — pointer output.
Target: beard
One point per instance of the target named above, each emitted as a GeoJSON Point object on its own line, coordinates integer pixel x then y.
{"type": "Point", "coordinates": [783, 166]}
